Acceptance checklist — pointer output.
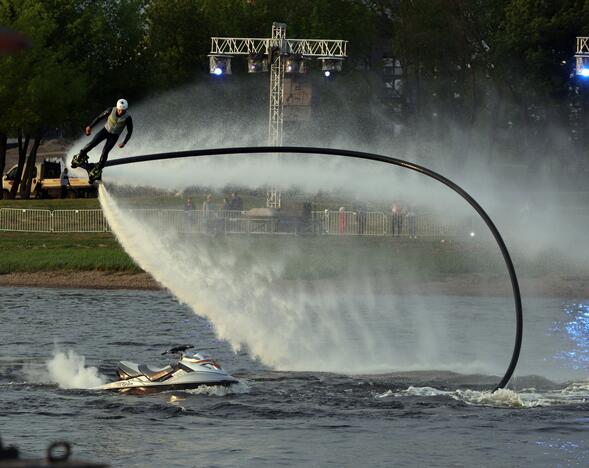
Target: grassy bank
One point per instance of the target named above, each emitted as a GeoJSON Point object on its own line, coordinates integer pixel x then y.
{"type": "Point", "coordinates": [307, 258]}
{"type": "Point", "coordinates": [32, 252]}
{"type": "Point", "coordinates": [52, 204]}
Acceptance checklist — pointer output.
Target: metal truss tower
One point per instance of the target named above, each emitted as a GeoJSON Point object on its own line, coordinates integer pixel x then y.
{"type": "Point", "coordinates": [580, 95]}
{"type": "Point", "coordinates": [276, 117]}
{"type": "Point", "coordinates": [582, 55]}
{"type": "Point", "coordinates": [277, 48]}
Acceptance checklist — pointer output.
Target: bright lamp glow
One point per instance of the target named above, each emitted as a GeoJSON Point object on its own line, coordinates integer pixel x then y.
{"type": "Point", "coordinates": [220, 64]}
{"type": "Point", "coordinates": [327, 73]}
{"type": "Point", "coordinates": [330, 63]}
{"type": "Point", "coordinates": [257, 63]}
{"type": "Point", "coordinates": [584, 72]}
{"type": "Point", "coordinates": [296, 64]}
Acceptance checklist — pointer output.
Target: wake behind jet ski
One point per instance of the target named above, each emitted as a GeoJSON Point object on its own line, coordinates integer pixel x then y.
{"type": "Point", "coordinates": [191, 370]}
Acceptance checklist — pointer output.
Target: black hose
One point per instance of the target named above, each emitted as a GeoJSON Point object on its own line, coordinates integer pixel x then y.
{"type": "Point", "coordinates": [371, 157]}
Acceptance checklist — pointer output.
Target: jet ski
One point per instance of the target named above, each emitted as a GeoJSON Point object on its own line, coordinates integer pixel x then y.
{"type": "Point", "coordinates": [190, 370]}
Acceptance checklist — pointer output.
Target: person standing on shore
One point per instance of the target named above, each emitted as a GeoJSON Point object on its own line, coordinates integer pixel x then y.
{"type": "Point", "coordinates": [397, 214]}
{"type": "Point", "coordinates": [64, 182]}
{"type": "Point", "coordinates": [411, 222]}
{"type": "Point", "coordinates": [235, 202]}
{"type": "Point", "coordinates": [206, 212]}
{"type": "Point", "coordinates": [343, 220]}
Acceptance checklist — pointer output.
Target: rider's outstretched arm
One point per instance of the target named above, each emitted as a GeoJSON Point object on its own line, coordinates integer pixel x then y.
{"type": "Point", "coordinates": [100, 117]}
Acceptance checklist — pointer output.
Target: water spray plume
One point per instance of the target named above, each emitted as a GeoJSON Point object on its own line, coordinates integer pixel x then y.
{"type": "Point", "coordinates": [221, 121]}
{"type": "Point", "coordinates": [66, 369]}
{"type": "Point", "coordinates": [283, 324]}
{"type": "Point", "coordinates": [243, 304]}
{"type": "Point", "coordinates": [69, 370]}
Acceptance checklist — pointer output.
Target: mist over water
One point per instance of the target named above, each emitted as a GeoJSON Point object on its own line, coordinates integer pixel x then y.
{"type": "Point", "coordinates": [534, 208]}
{"type": "Point", "coordinates": [289, 311]}
{"type": "Point", "coordinates": [299, 324]}
{"type": "Point", "coordinates": [217, 115]}
{"type": "Point", "coordinates": [246, 298]}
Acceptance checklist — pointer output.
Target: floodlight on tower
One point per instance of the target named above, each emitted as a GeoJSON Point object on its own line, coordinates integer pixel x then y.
{"type": "Point", "coordinates": [220, 64]}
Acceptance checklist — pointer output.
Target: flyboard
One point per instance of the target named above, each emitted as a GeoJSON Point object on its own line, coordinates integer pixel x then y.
{"type": "Point", "coordinates": [94, 172]}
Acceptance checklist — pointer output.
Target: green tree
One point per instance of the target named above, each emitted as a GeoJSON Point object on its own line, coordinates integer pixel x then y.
{"type": "Point", "coordinates": [3, 147]}
{"type": "Point", "coordinates": [536, 39]}
{"type": "Point", "coordinates": [107, 40]}
{"type": "Point", "coordinates": [177, 41]}
{"type": "Point", "coordinates": [39, 87]}
{"type": "Point", "coordinates": [533, 49]}
{"type": "Point", "coordinates": [179, 31]}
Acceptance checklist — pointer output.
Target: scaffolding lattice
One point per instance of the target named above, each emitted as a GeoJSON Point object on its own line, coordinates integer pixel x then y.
{"type": "Point", "coordinates": [277, 48]}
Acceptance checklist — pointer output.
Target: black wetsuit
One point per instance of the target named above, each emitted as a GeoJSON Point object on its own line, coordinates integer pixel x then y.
{"type": "Point", "coordinates": [110, 132]}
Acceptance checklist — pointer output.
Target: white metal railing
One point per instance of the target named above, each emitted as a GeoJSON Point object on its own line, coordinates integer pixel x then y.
{"type": "Point", "coordinates": [19, 220]}
{"type": "Point", "coordinates": [78, 221]}
{"type": "Point", "coordinates": [351, 223]}
{"type": "Point", "coordinates": [212, 222]}
{"type": "Point", "coordinates": [342, 223]}
{"type": "Point", "coordinates": [372, 223]}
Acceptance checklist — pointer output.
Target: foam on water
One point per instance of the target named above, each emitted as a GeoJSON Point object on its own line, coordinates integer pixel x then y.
{"type": "Point", "coordinates": [66, 369]}
{"type": "Point", "coordinates": [575, 393]}
{"type": "Point", "coordinates": [220, 390]}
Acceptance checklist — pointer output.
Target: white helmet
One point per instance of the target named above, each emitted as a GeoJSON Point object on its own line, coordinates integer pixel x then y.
{"type": "Point", "coordinates": [122, 104]}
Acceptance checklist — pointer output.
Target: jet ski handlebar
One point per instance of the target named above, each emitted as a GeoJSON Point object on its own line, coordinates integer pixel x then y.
{"type": "Point", "coordinates": [177, 349]}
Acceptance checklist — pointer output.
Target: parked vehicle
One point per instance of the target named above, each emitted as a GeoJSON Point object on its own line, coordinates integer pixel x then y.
{"type": "Point", "coordinates": [46, 182]}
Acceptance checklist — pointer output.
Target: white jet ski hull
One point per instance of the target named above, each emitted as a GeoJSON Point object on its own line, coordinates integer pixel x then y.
{"type": "Point", "coordinates": [189, 372]}
{"type": "Point", "coordinates": [143, 385]}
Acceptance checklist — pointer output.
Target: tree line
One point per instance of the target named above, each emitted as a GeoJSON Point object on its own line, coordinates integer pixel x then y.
{"type": "Point", "coordinates": [497, 68]}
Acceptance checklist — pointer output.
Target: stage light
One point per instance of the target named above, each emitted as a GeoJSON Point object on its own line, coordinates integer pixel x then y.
{"type": "Point", "coordinates": [220, 65]}
{"type": "Point", "coordinates": [582, 65]}
{"type": "Point", "coordinates": [331, 64]}
{"type": "Point", "coordinates": [296, 64]}
{"type": "Point", "coordinates": [327, 73]}
{"type": "Point", "coordinates": [257, 63]}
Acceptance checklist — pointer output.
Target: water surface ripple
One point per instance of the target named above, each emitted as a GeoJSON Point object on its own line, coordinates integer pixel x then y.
{"type": "Point", "coordinates": [425, 418]}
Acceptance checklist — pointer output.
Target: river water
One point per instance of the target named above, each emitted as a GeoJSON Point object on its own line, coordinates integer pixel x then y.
{"type": "Point", "coordinates": [52, 340]}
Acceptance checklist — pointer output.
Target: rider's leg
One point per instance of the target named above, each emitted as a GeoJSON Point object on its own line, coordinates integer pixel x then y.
{"type": "Point", "coordinates": [111, 140]}
{"type": "Point", "coordinates": [100, 136]}
{"type": "Point", "coordinates": [96, 172]}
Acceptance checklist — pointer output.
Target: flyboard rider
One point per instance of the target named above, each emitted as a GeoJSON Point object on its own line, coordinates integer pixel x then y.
{"type": "Point", "coordinates": [117, 119]}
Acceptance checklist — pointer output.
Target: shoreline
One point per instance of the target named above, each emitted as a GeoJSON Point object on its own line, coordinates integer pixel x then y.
{"type": "Point", "coordinates": [557, 286]}
{"type": "Point", "coordinates": [94, 279]}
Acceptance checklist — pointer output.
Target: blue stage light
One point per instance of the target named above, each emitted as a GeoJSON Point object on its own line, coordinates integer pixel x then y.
{"type": "Point", "coordinates": [584, 72]}
{"type": "Point", "coordinates": [220, 64]}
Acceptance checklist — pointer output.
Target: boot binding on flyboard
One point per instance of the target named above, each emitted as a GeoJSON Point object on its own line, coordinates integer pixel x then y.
{"type": "Point", "coordinates": [94, 173]}
{"type": "Point", "coordinates": [78, 160]}
{"type": "Point", "coordinates": [81, 160]}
